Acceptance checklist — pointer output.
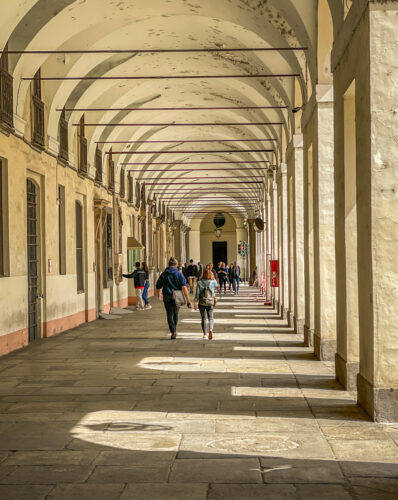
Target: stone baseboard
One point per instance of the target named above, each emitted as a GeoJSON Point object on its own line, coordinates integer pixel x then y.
{"type": "Point", "coordinates": [380, 403]}
{"type": "Point", "coordinates": [324, 349]}
{"type": "Point", "coordinates": [346, 373]}
{"type": "Point", "coordinates": [298, 324]}
{"type": "Point", "coordinates": [308, 336]}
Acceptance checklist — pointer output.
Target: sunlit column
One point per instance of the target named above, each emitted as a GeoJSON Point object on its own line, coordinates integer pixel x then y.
{"type": "Point", "coordinates": [296, 219]}
{"type": "Point", "coordinates": [324, 229]}
{"type": "Point", "coordinates": [284, 252]}
{"type": "Point", "coordinates": [252, 249]}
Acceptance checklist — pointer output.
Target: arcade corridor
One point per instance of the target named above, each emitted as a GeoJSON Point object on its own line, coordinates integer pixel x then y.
{"type": "Point", "coordinates": [114, 409]}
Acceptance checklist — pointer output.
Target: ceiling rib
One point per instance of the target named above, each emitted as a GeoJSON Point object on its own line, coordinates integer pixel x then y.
{"type": "Point", "coordinates": [154, 51]}
{"type": "Point", "coordinates": [229, 151]}
{"type": "Point", "coordinates": [160, 77]}
{"type": "Point", "coordinates": [183, 108]}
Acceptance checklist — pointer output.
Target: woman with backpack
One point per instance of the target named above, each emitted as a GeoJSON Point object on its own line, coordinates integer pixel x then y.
{"type": "Point", "coordinates": [205, 297]}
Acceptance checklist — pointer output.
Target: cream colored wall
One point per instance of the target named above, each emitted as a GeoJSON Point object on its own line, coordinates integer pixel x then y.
{"type": "Point", "coordinates": [60, 298]}
{"type": "Point", "coordinates": [232, 232]}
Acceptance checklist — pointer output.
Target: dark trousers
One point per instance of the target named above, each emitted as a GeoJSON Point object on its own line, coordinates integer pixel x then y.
{"type": "Point", "coordinates": [172, 314]}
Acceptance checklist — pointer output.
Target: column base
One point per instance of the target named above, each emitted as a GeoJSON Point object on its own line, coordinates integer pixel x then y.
{"type": "Point", "coordinates": [290, 318]}
{"type": "Point", "coordinates": [380, 403]}
{"type": "Point", "coordinates": [308, 336]}
{"type": "Point", "coordinates": [324, 349]}
{"type": "Point", "coordinates": [346, 373]}
{"type": "Point", "coordinates": [298, 324]}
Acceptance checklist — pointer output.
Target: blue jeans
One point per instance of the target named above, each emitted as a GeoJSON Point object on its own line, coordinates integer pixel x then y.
{"type": "Point", "coordinates": [235, 284]}
{"type": "Point", "coordinates": [145, 292]}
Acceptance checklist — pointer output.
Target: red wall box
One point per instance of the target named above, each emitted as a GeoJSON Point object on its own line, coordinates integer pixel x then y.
{"type": "Point", "coordinates": [274, 273]}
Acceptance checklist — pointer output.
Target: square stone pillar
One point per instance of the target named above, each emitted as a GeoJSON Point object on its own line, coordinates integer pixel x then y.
{"type": "Point", "coordinates": [275, 236]}
{"type": "Point", "coordinates": [324, 229]}
{"type": "Point", "coordinates": [377, 198]}
{"type": "Point", "coordinates": [366, 61]}
{"type": "Point", "coordinates": [268, 247]}
{"type": "Point", "coordinates": [284, 242]}
{"type": "Point", "coordinates": [178, 243]}
{"type": "Point", "coordinates": [296, 223]}
{"type": "Point", "coordinates": [252, 249]}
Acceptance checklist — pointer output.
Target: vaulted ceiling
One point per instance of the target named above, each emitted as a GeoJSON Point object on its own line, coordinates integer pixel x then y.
{"type": "Point", "coordinates": [102, 81]}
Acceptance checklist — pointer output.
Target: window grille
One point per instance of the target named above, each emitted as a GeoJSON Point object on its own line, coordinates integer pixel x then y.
{"type": "Point", "coordinates": [79, 247]}
{"type": "Point", "coordinates": [61, 229]}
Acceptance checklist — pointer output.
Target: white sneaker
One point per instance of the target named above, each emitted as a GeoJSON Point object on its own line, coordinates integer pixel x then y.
{"type": "Point", "coordinates": [148, 306]}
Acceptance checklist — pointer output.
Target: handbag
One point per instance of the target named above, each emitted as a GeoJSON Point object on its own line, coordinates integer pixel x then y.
{"type": "Point", "coordinates": [179, 298]}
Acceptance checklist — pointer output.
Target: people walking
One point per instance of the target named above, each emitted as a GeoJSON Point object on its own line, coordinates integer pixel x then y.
{"type": "Point", "coordinates": [146, 286]}
{"type": "Point", "coordinates": [139, 276]}
{"type": "Point", "coordinates": [200, 270]}
{"type": "Point", "coordinates": [229, 276]}
{"type": "Point", "coordinates": [210, 266]}
{"type": "Point", "coordinates": [205, 298]}
{"type": "Point", "coordinates": [222, 276]}
{"type": "Point", "coordinates": [235, 276]}
{"type": "Point", "coordinates": [192, 272]}
{"type": "Point", "coordinates": [173, 285]}
{"type": "Point", "coordinates": [255, 277]}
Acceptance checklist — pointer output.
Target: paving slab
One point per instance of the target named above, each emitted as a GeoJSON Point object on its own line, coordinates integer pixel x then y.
{"type": "Point", "coordinates": [251, 492]}
{"type": "Point", "coordinates": [223, 470]}
{"type": "Point", "coordinates": [86, 491]}
{"type": "Point", "coordinates": [165, 492]}
{"type": "Point", "coordinates": [24, 492]}
{"type": "Point", "coordinates": [123, 474]}
{"type": "Point", "coordinates": [115, 409]}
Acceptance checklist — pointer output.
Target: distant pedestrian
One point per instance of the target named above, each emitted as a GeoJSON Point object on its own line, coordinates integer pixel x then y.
{"type": "Point", "coordinates": [210, 266]}
{"type": "Point", "coordinates": [146, 286]}
{"type": "Point", "coordinates": [255, 277]}
{"type": "Point", "coordinates": [200, 270]}
{"type": "Point", "coordinates": [229, 276]}
{"type": "Point", "coordinates": [192, 271]}
{"type": "Point", "coordinates": [139, 276]}
{"type": "Point", "coordinates": [173, 285]}
{"type": "Point", "coordinates": [205, 297]}
{"type": "Point", "coordinates": [235, 276]}
{"type": "Point", "coordinates": [222, 276]}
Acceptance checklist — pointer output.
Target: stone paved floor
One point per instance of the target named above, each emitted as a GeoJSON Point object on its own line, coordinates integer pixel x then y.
{"type": "Point", "coordinates": [113, 409]}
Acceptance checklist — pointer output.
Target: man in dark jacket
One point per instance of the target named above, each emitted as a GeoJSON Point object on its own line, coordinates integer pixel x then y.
{"type": "Point", "coordinates": [139, 276]}
{"type": "Point", "coordinates": [192, 273]}
{"type": "Point", "coordinates": [235, 277]}
{"type": "Point", "coordinates": [172, 279]}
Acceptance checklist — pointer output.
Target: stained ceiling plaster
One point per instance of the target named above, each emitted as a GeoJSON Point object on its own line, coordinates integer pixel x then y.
{"type": "Point", "coordinates": [127, 24]}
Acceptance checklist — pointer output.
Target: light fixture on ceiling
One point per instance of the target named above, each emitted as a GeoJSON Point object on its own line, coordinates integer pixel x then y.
{"type": "Point", "coordinates": [219, 221]}
{"type": "Point", "coordinates": [297, 109]}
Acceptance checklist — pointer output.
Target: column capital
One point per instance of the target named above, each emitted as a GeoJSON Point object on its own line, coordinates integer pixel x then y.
{"type": "Point", "coordinates": [324, 93]}
{"type": "Point", "coordinates": [250, 221]}
{"type": "Point", "coordinates": [298, 141]}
